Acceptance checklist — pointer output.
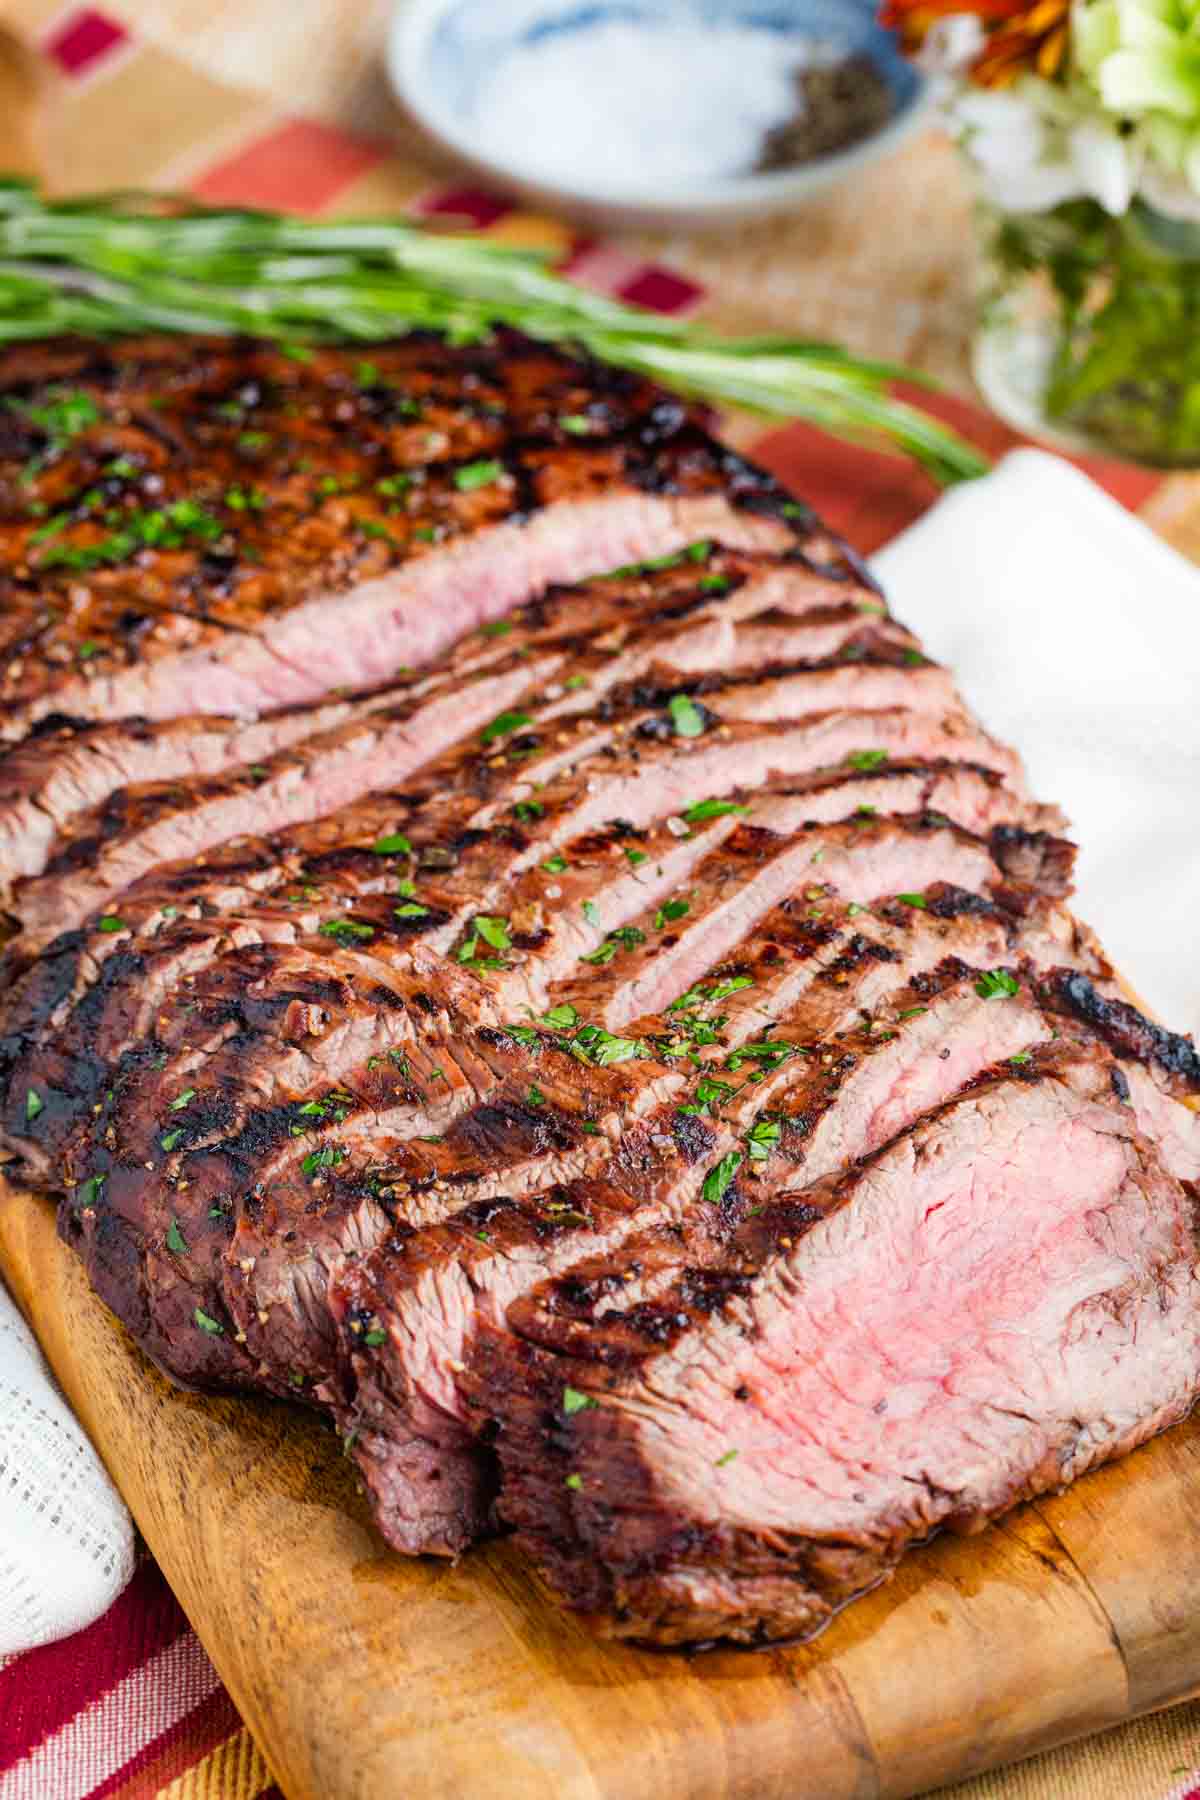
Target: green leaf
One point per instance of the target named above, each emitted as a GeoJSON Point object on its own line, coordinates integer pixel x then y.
{"type": "Point", "coordinates": [669, 911]}
{"type": "Point", "coordinates": [169, 1139]}
{"type": "Point", "coordinates": [686, 716]}
{"type": "Point", "coordinates": [345, 931]}
{"type": "Point", "coordinates": [575, 1402]}
{"type": "Point", "coordinates": [997, 984]}
{"type": "Point", "coordinates": [767, 1053]}
{"type": "Point", "coordinates": [554, 865]}
{"type": "Point", "coordinates": [634, 856]}
{"type": "Point", "coordinates": [411, 909]}
{"type": "Point", "coordinates": [327, 1157]}
{"type": "Point", "coordinates": [504, 725]}
{"type": "Point", "coordinates": [493, 931]}
{"type": "Point", "coordinates": [176, 1241]}
{"type": "Point", "coordinates": [712, 809]}
{"type": "Point", "coordinates": [395, 844]}
{"type": "Point", "coordinates": [917, 900]}
{"type": "Point", "coordinates": [561, 1018]}
{"type": "Point", "coordinates": [34, 1104]}
{"type": "Point", "coordinates": [110, 922]}
{"type": "Point", "coordinates": [866, 759]}
{"type": "Point", "coordinates": [182, 1099]}
{"type": "Point", "coordinates": [476, 475]}
{"type": "Point", "coordinates": [762, 1138]}
{"type": "Point", "coordinates": [206, 1322]}
{"type": "Point", "coordinates": [574, 1482]}
{"type": "Point", "coordinates": [719, 1179]}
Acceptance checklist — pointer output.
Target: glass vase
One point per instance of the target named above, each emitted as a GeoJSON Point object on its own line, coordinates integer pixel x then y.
{"type": "Point", "coordinates": [1089, 329]}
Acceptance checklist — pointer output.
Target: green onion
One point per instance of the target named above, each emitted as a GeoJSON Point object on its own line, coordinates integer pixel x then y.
{"type": "Point", "coordinates": [138, 263]}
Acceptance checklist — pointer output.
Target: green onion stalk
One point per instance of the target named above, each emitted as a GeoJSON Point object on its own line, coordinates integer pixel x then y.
{"type": "Point", "coordinates": [126, 263]}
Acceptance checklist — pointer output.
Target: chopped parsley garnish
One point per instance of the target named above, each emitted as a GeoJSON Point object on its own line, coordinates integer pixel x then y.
{"type": "Point", "coordinates": [554, 865]}
{"type": "Point", "coordinates": [34, 1104]}
{"type": "Point", "coordinates": [375, 1337]}
{"type": "Point", "coordinates": [496, 628]}
{"type": "Point", "coordinates": [723, 1460]}
{"type": "Point", "coordinates": [762, 1138]}
{"type": "Point", "coordinates": [997, 984]}
{"type": "Point", "coordinates": [535, 1096]}
{"type": "Point", "coordinates": [88, 1192]}
{"type": "Point", "coordinates": [854, 908]}
{"type": "Point", "coordinates": [715, 584]}
{"type": "Point", "coordinates": [175, 1239]}
{"type": "Point", "coordinates": [576, 424]}
{"type": "Point", "coordinates": [366, 375]}
{"type": "Point", "coordinates": [709, 1094]}
{"type": "Point", "coordinates": [767, 1053]}
{"type": "Point", "coordinates": [169, 1139]}
{"type": "Point", "coordinates": [669, 911]}
{"type": "Point", "coordinates": [240, 499]}
{"type": "Point", "coordinates": [528, 810]}
{"type": "Point", "coordinates": [574, 1482]}
{"type": "Point", "coordinates": [588, 909]}
{"type": "Point", "coordinates": [182, 1100]}
{"type": "Point", "coordinates": [371, 528]}
{"type": "Point", "coordinates": [87, 650]}
{"type": "Point", "coordinates": [346, 931]}
{"type": "Point", "coordinates": [634, 856]}
{"type": "Point", "coordinates": [206, 1322]}
{"type": "Point", "coordinates": [493, 931]}
{"type": "Point", "coordinates": [712, 809]}
{"type": "Point", "coordinates": [1022, 1056]}
{"type": "Point", "coordinates": [165, 528]}
{"type": "Point", "coordinates": [477, 474]}
{"type": "Point", "coordinates": [686, 716]}
{"type": "Point", "coordinates": [913, 658]}
{"type": "Point", "coordinates": [504, 725]}
{"type": "Point", "coordinates": [917, 900]}
{"type": "Point", "coordinates": [697, 552]}
{"type": "Point", "coordinates": [327, 1157]}
{"type": "Point", "coordinates": [110, 922]}
{"type": "Point", "coordinates": [873, 606]}
{"type": "Point", "coordinates": [395, 844]}
{"type": "Point", "coordinates": [411, 909]}
{"type": "Point", "coordinates": [576, 681]}
{"type": "Point", "coordinates": [866, 759]}
{"type": "Point", "coordinates": [718, 1180]}
{"type": "Point", "coordinates": [561, 1018]}
{"type": "Point", "coordinates": [911, 1012]}
{"type": "Point", "coordinates": [626, 937]}
{"type": "Point", "coordinates": [867, 812]}
{"type": "Point", "coordinates": [575, 1402]}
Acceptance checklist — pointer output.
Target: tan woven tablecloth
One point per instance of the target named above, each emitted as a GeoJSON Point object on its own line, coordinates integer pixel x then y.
{"type": "Point", "coordinates": [284, 102]}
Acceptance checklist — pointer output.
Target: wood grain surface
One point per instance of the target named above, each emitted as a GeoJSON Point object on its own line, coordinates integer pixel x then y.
{"type": "Point", "coordinates": [364, 1675]}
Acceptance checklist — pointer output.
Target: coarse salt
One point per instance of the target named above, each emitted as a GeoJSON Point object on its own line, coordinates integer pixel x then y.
{"type": "Point", "coordinates": [628, 104]}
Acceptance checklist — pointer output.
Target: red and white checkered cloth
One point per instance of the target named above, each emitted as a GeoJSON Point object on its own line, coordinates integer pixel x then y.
{"type": "Point", "coordinates": [131, 1708]}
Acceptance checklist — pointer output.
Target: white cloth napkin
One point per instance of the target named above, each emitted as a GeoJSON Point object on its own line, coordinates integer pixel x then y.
{"type": "Point", "coordinates": [66, 1541]}
{"type": "Point", "coordinates": [1075, 635]}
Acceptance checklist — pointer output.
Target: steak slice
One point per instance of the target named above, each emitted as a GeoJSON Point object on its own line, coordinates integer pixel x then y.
{"type": "Point", "coordinates": [750, 1453]}
{"type": "Point", "coordinates": [409, 1310]}
{"type": "Point", "coordinates": [252, 534]}
{"type": "Point", "coordinates": [689, 605]}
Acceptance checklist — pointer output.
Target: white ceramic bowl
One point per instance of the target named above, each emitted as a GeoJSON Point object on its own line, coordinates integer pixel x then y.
{"type": "Point", "coordinates": [438, 49]}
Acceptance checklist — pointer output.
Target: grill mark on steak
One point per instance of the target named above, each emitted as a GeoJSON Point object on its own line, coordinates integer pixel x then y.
{"type": "Point", "coordinates": [298, 557]}
{"type": "Point", "coordinates": [1126, 1030]}
{"type": "Point", "coordinates": [659, 1501]}
{"type": "Point", "coordinates": [404, 1414]}
{"type": "Point", "coordinates": [64, 768]}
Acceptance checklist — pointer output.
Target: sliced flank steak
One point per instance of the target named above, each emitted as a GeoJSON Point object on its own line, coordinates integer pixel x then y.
{"type": "Point", "coordinates": [1002, 1298]}
{"type": "Point", "coordinates": [248, 532]}
{"type": "Point", "coordinates": [513, 944]}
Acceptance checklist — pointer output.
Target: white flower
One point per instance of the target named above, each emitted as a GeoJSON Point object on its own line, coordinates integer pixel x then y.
{"type": "Point", "coordinates": [1034, 146]}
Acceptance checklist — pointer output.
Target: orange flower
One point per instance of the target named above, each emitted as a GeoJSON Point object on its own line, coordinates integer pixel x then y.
{"type": "Point", "coordinates": [1020, 37]}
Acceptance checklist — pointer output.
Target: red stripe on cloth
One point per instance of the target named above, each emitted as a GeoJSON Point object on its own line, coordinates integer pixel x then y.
{"type": "Point", "coordinates": [42, 1690]}
{"type": "Point", "coordinates": [182, 1747]}
{"type": "Point", "coordinates": [83, 40]}
{"type": "Point", "coordinates": [475, 205]}
{"type": "Point", "coordinates": [868, 496]}
{"type": "Point", "coordinates": [301, 167]}
{"type": "Point", "coordinates": [661, 290]}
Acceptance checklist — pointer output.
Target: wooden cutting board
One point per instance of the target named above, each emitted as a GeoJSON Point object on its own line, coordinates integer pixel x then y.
{"type": "Point", "coordinates": [365, 1676]}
